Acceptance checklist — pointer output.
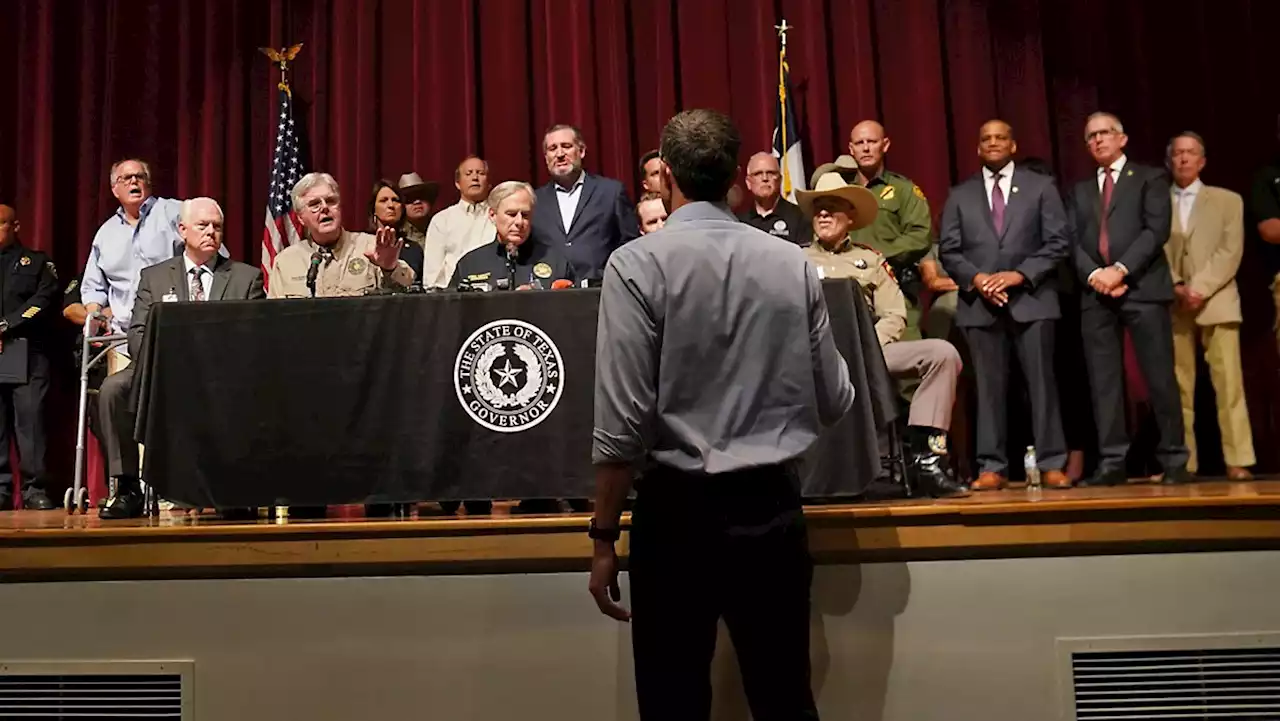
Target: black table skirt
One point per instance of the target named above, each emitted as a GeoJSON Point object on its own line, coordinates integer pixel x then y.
{"type": "Point", "coordinates": [347, 400]}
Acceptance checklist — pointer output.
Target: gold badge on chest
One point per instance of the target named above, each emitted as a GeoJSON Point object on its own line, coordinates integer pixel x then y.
{"type": "Point", "coordinates": [887, 193]}
{"type": "Point", "coordinates": [542, 270]}
{"type": "Point", "coordinates": [357, 266]}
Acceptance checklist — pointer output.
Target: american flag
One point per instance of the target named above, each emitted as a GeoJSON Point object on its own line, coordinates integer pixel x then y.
{"type": "Point", "coordinates": [282, 224]}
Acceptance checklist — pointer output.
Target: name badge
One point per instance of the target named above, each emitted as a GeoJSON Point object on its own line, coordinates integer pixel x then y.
{"type": "Point", "coordinates": [169, 297]}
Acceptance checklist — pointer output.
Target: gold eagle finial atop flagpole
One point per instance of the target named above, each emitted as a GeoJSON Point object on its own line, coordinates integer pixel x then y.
{"type": "Point", "coordinates": [281, 59]}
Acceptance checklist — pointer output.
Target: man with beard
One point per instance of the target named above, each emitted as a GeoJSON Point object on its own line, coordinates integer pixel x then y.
{"type": "Point", "coordinates": [585, 217]}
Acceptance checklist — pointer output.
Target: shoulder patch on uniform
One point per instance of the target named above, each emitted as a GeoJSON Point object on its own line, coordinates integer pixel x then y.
{"type": "Point", "coordinates": [26, 260]}
{"type": "Point", "coordinates": [887, 193]}
{"type": "Point", "coordinates": [53, 269]}
{"type": "Point", "coordinates": [919, 193]}
{"type": "Point", "coordinates": [30, 313]}
{"type": "Point", "coordinates": [75, 283]}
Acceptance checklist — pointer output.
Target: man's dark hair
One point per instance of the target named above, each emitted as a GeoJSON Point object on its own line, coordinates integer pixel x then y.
{"type": "Point", "coordinates": [577, 134]}
{"type": "Point", "coordinates": [701, 149]}
{"type": "Point", "coordinates": [644, 159]}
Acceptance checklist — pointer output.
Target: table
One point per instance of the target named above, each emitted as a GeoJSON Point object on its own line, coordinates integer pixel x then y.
{"type": "Point", "coordinates": [347, 400]}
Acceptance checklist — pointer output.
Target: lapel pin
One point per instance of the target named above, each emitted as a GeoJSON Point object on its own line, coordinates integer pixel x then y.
{"type": "Point", "coordinates": [1015, 188]}
{"type": "Point", "coordinates": [1130, 172]}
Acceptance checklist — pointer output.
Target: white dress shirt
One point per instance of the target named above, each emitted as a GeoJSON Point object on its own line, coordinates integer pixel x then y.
{"type": "Point", "coordinates": [1184, 199]}
{"type": "Point", "coordinates": [1116, 167]}
{"type": "Point", "coordinates": [206, 277]}
{"type": "Point", "coordinates": [568, 199]}
{"type": "Point", "coordinates": [1006, 182]}
{"type": "Point", "coordinates": [454, 232]}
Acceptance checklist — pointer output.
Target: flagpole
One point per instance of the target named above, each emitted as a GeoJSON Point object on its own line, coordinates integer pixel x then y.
{"type": "Point", "coordinates": [782, 102]}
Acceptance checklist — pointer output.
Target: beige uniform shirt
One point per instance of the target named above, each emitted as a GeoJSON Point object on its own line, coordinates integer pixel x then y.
{"type": "Point", "coordinates": [349, 273]}
{"type": "Point", "coordinates": [454, 232]}
{"type": "Point", "coordinates": [879, 286]}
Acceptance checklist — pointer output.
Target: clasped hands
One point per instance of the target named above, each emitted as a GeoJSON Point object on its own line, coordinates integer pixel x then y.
{"type": "Point", "coordinates": [1108, 281]}
{"type": "Point", "coordinates": [995, 286]}
{"type": "Point", "coordinates": [1188, 299]}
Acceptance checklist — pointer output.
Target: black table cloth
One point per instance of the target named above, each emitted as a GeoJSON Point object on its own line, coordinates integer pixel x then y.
{"type": "Point", "coordinates": [345, 400]}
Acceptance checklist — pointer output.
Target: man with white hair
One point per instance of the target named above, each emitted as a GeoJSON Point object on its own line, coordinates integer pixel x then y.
{"type": "Point", "coordinates": [769, 211]}
{"type": "Point", "coordinates": [333, 261]}
{"type": "Point", "coordinates": [511, 261]}
{"type": "Point", "coordinates": [199, 274]}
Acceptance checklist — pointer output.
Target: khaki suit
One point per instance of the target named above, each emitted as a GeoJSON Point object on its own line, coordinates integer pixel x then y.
{"type": "Point", "coordinates": [935, 362]}
{"type": "Point", "coordinates": [1204, 256]}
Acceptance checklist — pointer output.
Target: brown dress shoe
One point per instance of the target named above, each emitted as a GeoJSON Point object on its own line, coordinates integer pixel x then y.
{"type": "Point", "coordinates": [990, 482]}
{"type": "Point", "coordinates": [1055, 479]}
{"type": "Point", "coordinates": [1238, 474]}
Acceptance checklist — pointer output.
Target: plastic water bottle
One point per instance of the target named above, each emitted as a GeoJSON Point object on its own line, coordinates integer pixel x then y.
{"type": "Point", "coordinates": [1032, 469]}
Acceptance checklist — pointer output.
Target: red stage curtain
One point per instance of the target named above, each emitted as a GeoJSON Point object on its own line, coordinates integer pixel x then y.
{"type": "Point", "coordinates": [388, 86]}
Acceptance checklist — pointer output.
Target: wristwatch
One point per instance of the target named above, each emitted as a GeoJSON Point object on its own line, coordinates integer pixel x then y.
{"type": "Point", "coordinates": [608, 535]}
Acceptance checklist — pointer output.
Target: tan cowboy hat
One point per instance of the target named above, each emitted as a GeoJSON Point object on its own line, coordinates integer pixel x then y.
{"type": "Point", "coordinates": [844, 165]}
{"type": "Point", "coordinates": [412, 187]}
{"type": "Point", "coordinates": [864, 201]}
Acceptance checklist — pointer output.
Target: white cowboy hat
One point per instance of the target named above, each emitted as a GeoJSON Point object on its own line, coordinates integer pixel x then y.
{"type": "Point", "coordinates": [864, 201]}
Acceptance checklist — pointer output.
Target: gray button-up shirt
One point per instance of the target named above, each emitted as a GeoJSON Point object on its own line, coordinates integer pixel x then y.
{"type": "Point", "coordinates": [714, 351]}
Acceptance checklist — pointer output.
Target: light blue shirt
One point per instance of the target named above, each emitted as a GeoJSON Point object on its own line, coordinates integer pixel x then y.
{"type": "Point", "coordinates": [568, 199]}
{"type": "Point", "coordinates": [120, 252]}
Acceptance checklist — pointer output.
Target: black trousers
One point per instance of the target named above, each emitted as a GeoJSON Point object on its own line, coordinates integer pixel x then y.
{"type": "Point", "coordinates": [22, 415]}
{"type": "Point", "coordinates": [990, 347]}
{"type": "Point", "coordinates": [731, 546]}
{"type": "Point", "coordinates": [117, 422]}
{"type": "Point", "coordinates": [1102, 325]}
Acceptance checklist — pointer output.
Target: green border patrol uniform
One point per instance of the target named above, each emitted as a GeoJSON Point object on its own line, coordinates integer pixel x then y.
{"type": "Point", "coordinates": [902, 233]}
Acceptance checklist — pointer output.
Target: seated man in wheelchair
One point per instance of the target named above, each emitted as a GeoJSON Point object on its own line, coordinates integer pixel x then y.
{"type": "Point", "coordinates": [836, 209]}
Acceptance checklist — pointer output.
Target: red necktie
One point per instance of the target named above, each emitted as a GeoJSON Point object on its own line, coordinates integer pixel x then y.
{"type": "Point", "coordinates": [1104, 238]}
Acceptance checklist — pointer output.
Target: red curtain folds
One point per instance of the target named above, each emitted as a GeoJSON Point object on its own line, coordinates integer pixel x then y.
{"type": "Point", "coordinates": [388, 86]}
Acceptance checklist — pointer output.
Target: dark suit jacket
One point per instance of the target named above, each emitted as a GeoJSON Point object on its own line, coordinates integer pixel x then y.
{"type": "Point", "coordinates": [1138, 224]}
{"type": "Point", "coordinates": [603, 221]}
{"type": "Point", "coordinates": [1033, 241]}
{"type": "Point", "coordinates": [232, 280]}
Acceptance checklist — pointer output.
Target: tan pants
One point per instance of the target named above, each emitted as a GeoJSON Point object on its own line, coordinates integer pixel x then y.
{"type": "Point", "coordinates": [937, 364]}
{"type": "Point", "coordinates": [1222, 353]}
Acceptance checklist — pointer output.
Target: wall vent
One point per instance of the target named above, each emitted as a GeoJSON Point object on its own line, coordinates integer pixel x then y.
{"type": "Point", "coordinates": [1219, 678]}
{"type": "Point", "coordinates": [109, 690]}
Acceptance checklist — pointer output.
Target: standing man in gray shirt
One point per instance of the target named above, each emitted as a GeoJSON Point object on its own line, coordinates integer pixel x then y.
{"type": "Point", "coordinates": [711, 383]}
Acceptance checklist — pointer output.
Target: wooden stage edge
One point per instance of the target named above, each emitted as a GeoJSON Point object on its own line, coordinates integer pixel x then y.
{"type": "Point", "coordinates": [51, 546]}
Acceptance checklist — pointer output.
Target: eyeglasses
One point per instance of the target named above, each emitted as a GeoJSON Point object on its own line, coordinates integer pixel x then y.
{"type": "Point", "coordinates": [765, 174]}
{"type": "Point", "coordinates": [126, 179]}
{"type": "Point", "coordinates": [1104, 133]}
{"type": "Point", "coordinates": [318, 204]}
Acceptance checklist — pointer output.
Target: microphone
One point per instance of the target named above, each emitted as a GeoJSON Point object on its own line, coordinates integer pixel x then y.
{"type": "Point", "coordinates": [561, 283]}
{"type": "Point", "coordinates": [313, 271]}
{"type": "Point", "coordinates": [512, 252]}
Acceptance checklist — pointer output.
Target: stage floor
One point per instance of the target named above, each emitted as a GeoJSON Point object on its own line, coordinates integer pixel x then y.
{"type": "Point", "coordinates": [1139, 517]}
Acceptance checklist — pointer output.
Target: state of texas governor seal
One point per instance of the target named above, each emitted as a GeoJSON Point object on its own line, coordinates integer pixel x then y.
{"type": "Point", "coordinates": [508, 375]}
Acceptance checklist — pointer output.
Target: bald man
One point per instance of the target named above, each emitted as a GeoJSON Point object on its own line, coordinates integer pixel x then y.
{"type": "Point", "coordinates": [28, 290]}
{"type": "Point", "coordinates": [902, 229]}
{"type": "Point", "coordinates": [769, 211]}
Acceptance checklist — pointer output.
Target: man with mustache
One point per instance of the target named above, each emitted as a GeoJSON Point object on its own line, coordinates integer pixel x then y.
{"type": "Point", "coordinates": [333, 261]}
{"type": "Point", "coordinates": [838, 210]}
{"type": "Point", "coordinates": [585, 217]}
{"type": "Point", "coordinates": [460, 228]}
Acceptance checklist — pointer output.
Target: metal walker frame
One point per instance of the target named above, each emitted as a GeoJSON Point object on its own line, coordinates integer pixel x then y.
{"type": "Point", "coordinates": [77, 497]}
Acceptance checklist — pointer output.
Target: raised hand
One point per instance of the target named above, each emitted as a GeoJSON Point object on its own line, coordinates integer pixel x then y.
{"type": "Point", "coordinates": [386, 250]}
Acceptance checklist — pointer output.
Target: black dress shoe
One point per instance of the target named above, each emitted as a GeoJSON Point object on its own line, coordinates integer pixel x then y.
{"type": "Point", "coordinates": [126, 504]}
{"type": "Point", "coordinates": [238, 514]}
{"type": "Point", "coordinates": [308, 511]}
{"type": "Point", "coordinates": [1114, 477]}
{"type": "Point", "coordinates": [5, 502]}
{"type": "Point", "coordinates": [1177, 476]}
{"type": "Point", "coordinates": [932, 476]}
{"type": "Point", "coordinates": [37, 500]}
